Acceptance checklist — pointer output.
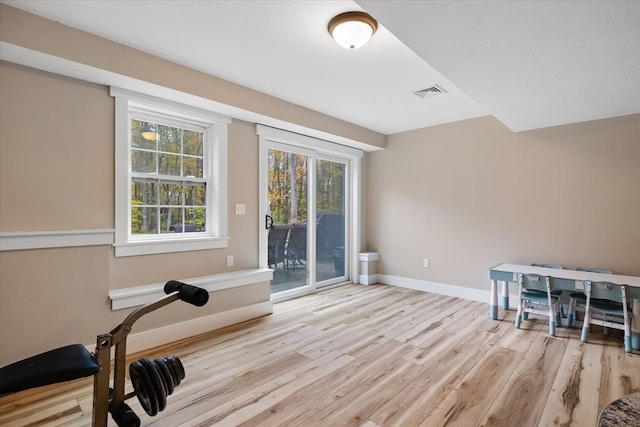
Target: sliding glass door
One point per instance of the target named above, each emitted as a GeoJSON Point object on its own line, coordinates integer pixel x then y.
{"type": "Point", "coordinates": [307, 200]}
{"type": "Point", "coordinates": [331, 224]}
{"type": "Point", "coordinates": [287, 219]}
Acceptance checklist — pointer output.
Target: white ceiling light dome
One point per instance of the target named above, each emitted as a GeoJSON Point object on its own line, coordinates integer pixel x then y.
{"type": "Point", "coordinates": [352, 30]}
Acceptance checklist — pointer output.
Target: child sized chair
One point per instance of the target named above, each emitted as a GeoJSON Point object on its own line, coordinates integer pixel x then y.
{"type": "Point", "coordinates": [556, 292]}
{"type": "Point", "coordinates": [578, 299]}
{"type": "Point", "coordinates": [541, 301]}
{"type": "Point", "coordinates": [607, 305]}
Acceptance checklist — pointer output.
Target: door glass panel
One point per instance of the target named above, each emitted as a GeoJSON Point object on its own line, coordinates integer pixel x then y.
{"type": "Point", "coordinates": [287, 242]}
{"type": "Point", "coordinates": [330, 220]}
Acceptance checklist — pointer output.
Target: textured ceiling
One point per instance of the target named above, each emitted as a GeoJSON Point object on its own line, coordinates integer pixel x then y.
{"type": "Point", "coordinates": [530, 64]}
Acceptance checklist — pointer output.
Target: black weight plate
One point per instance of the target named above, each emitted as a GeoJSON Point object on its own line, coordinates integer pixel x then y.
{"type": "Point", "coordinates": [156, 380]}
{"type": "Point", "coordinates": [144, 388]}
{"type": "Point", "coordinates": [166, 375]}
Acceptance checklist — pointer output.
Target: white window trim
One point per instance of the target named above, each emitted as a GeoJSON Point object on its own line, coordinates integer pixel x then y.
{"type": "Point", "coordinates": [216, 236]}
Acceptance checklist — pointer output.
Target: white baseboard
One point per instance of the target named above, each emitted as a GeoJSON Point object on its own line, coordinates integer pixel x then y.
{"type": "Point", "coordinates": [363, 279]}
{"type": "Point", "coordinates": [159, 336]}
{"type": "Point", "coordinates": [443, 289]}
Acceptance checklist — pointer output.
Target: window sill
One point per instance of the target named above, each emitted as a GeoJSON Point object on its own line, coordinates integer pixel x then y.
{"type": "Point", "coordinates": [139, 295]}
{"type": "Point", "coordinates": [150, 247]}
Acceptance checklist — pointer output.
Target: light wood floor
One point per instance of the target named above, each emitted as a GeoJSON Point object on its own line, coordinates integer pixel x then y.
{"type": "Point", "coordinates": [372, 356]}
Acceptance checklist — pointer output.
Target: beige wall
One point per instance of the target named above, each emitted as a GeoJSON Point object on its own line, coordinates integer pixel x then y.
{"type": "Point", "coordinates": [57, 173]}
{"type": "Point", "coordinates": [472, 194]}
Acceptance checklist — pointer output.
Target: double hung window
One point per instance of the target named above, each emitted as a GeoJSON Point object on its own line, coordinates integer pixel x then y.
{"type": "Point", "coordinates": [170, 176]}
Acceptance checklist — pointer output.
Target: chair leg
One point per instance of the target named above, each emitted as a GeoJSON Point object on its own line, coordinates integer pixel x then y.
{"type": "Point", "coordinates": [585, 334]}
{"type": "Point", "coordinates": [570, 313]}
{"type": "Point", "coordinates": [585, 326]}
{"type": "Point", "coordinates": [553, 313]}
{"type": "Point", "coordinates": [627, 343]}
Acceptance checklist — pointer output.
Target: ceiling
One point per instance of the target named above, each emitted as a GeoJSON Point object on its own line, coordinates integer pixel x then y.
{"type": "Point", "coordinates": [531, 64]}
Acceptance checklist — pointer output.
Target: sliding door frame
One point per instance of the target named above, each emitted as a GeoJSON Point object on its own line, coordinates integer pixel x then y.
{"type": "Point", "coordinates": [273, 138]}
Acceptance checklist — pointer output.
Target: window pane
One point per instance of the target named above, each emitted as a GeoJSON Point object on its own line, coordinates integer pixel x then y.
{"type": "Point", "coordinates": [143, 161]}
{"type": "Point", "coordinates": [193, 167]}
{"type": "Point", "coordinates": [170, 165]}
{"type": "Point", "coordinates": [330, 219]}
{"type": "Point", "coordinates": [170, 219]}
{"type": "Point", "coordinates": [143, 134]}
{"type": "Point", "coordinates": [330, 187]}
{"type": "Point", "coordinates": [170, 139]}
{"type": "Point", "coordinates": [144, 192]}
{"type": "Point", "coordinates": [197, 217]}
{"type": "Point", "coordinates": [194, 194]}
{"type": "Point", "coordinates": [144, 220]}
{"type": "Point", "coordinates": [193, 143]}
{"type": "Point", "coordinates": [170, 194]}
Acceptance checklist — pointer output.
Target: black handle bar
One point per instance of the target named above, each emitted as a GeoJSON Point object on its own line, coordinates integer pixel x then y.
{"type": "Point", "coordinates": [187, 293]}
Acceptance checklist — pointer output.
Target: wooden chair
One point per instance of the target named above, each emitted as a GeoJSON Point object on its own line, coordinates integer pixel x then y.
{"type": "Point", "coordinates": [577, 300]}
{"type": "Point", "coordinates": [607, 305]}
{"type": "Point", "coordinates": [540, 301]}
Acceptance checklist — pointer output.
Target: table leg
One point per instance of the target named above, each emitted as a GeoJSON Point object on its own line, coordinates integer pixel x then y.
{"type": "Point", "coordinates": [505, 295]}
{"type": "Point", "coordinates": [635, 325]}
{"type": "Point", "coordinates": [493, 304]}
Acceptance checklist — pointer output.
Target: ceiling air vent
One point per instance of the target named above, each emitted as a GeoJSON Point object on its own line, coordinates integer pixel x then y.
{"type": "Point", "coordinates": [430, 91]}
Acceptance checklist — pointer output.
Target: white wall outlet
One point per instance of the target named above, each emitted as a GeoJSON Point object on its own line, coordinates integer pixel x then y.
{"type": "Point", "coordinates": [241, 208]}
{"type": "Point", "coordinates": [426, 263]}
{"type": "Point", "coordinates": [229, 260]}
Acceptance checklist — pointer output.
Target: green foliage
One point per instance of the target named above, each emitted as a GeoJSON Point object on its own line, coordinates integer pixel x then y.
{"type": "Point", "coordinates": [287, 196]}
{"type": "Point", "coordinates": [167, 188]}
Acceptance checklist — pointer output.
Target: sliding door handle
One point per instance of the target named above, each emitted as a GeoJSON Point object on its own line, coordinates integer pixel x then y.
{"type": "Point", "coordinates": [268, 222]}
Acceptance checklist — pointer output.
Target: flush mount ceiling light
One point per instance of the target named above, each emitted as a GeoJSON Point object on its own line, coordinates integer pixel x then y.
{"type": "Point", "coordinates": [352, 29]}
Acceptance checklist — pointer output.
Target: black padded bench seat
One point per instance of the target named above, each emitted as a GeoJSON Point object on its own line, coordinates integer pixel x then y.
{"type": "Point", "coordinates": [55, 366]}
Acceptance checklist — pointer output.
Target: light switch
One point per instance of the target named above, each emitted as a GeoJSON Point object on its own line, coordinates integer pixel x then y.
{"type": "Point", "coordinates": [241, 209]}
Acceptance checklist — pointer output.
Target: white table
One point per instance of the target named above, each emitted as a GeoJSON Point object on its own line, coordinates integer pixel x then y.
{"type": "Point", "coordinates": [563, 279]}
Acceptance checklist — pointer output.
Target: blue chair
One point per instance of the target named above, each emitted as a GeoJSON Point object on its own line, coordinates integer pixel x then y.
{"type": "Point", "coordinates": [556, 292]}
{"type": "Point", "coordinates": [535, 296]}
{"type": "Point", "coordinates": [577, 300]}
{"type": "Point", "coordinates": [607, 305]}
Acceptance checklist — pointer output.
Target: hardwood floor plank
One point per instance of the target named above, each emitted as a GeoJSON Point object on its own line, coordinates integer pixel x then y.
{"type": "Point", "coordinates": [250, 404]}
{"type": "Point", "coordinates": [620, 370]}
{"type": "Point", "coordinates": [470, 399]}
{"type": "Point", "coordinates": [572, 401]}
{"type": "Point", "coordinates": [63, 411]}
{"type": "Point", "coordinates": [441, 316]}
{"type": "Point", "coordinates": [522, 400]}
{"type": "Point", "coordinates": [444, 370]}
{"type": "Point", "coordinates": [297, 408]}
{"type": "Point", "coordinates": [199, 397]}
